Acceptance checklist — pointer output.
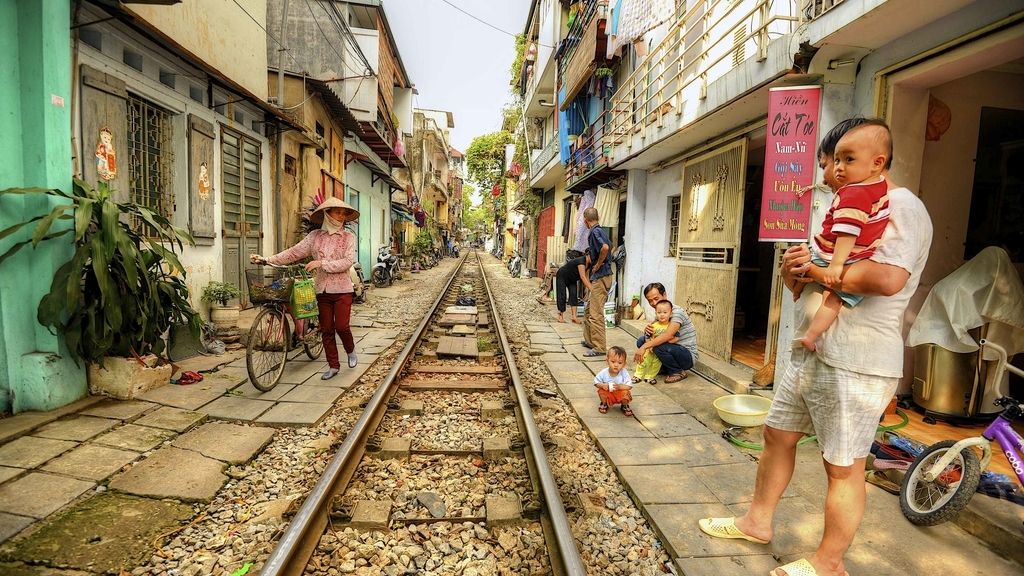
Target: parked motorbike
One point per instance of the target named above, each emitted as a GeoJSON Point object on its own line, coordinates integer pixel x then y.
{"type": "Point", "coordinates": [358, 284]}
{"type": "Point", "coordinates": [387, 268]}
{"type": "Point", "coordinates": [515, 265]}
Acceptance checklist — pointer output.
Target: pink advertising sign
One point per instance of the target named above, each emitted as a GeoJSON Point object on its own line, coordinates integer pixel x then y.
{"type": "Point", "coordinates": [789, 163]}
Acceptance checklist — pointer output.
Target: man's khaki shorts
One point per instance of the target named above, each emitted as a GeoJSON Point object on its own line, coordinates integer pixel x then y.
{"type": "Point", "coordinates": [842, 407]}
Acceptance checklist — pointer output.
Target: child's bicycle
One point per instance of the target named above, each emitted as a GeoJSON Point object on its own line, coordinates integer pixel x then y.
{"type": "Point", "coordinates": [271, 336]}
{"type": "Point", "coordinates": [942, 480]}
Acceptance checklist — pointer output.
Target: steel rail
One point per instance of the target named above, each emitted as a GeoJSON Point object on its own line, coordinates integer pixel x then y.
{"type": "Point", "coordinates": [572, 564]}
{"type": "Point", "coordinates": [296, 546]}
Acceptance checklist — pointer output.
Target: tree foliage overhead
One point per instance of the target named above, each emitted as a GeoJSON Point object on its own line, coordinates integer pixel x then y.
{"type": "Point", "coordinates": [485, 159]}
{"type": "Point", "coordinates": [517, 64]}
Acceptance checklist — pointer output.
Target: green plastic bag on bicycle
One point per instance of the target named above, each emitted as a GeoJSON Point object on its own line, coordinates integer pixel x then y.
{"type": "Point", "coordinates": [304, 298]}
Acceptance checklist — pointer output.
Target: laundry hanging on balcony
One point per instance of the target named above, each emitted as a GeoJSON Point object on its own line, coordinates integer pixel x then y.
{"type": "Point", "coordinates": [634, 18]}
{"type": "Point", "coordinates": [582, 232]}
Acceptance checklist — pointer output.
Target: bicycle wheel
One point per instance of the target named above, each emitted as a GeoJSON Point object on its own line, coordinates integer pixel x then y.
{"type": "Point", "coordinates": [929, 503]}
{"type": "Point", "coordinates": [267, 350]}
{"type": "Point", "coordinates": [312, 343]}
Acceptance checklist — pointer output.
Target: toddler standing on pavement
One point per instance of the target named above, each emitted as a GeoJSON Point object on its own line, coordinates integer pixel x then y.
{"type": "Point", "coordinates": [647, 370]}
{"type": "Point", "coordinates": [613, 383]}
{"type": "Point", "coordinates": [854, 224]}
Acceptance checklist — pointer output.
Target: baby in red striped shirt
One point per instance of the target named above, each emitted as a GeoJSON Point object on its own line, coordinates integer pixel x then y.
{"type": "Point", "coordinates": [855, 223]}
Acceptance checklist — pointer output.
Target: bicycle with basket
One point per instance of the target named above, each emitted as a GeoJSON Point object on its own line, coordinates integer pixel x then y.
{"type": "Point", "coordinates": [285, 322]}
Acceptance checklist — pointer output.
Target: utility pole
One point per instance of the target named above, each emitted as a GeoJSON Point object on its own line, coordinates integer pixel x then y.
{"type": "Point", "coordinates": [279, 164]}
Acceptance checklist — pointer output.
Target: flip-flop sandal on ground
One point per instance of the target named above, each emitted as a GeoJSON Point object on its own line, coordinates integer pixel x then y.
{"type": "Point", "coordinates": [800, 567]}
{"type": "Point", "coordinates": [675, 377]}
{"type": "Point", "coordinates": [627, 411]}
{"type": "Point", "coordinates": [603, 408]}
{"type": "Point", "coordinates": [725, 528]}
{"type": "Point", "coordinates": [593, 354]}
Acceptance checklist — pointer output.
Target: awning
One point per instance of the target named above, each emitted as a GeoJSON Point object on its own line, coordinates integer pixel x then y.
{"type": "Point", "coordinates": [399, 212]}
{"type": "Point", "coordinates": [370, 159]}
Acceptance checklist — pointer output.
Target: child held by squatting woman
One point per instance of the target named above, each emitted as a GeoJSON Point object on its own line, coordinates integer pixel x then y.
{"type": "Point", "coordinates": [613, 383]}
{"type": "Point", "coordinates": [647, 371]}
{"type": "Point", "coordinates": [854, 225]}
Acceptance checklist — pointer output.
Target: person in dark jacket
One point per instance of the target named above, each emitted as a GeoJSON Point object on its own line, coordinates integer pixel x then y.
{"type": "Point", "coordinates": [567, 281]}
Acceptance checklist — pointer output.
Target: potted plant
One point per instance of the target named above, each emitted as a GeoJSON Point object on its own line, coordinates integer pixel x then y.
{"type": "Point", "coordinates": [218, 294]}
{"type": "Point", "coordinates": [120, 292]}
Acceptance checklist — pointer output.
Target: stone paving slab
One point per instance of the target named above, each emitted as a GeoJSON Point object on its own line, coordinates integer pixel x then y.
{"type": "Point", "coordinates": [134, 437]}
{"type": "Point", "coordinates": [99, 536]}
{"type": "Point", "coordinates": [671, 425]}
{"type": "Point", "coordinates": [373, 349]}
{"type": "Point", "coordinates": [570, 373]}
{"type": "Point", "coordinates": [21, 424]}
{"type": "Point", "coordinates": [315, 394]}
{"type": "Point", "coordinates": [539, 349]}
{"type": "Point", "coordinates": [7, 472]}
{"type": "Point", "coordinates": [586, 407]}
{"type": "Point", "coordinates": [655, 404]}
{"type": "Point", "coordinates": [665, 484]}
{"type": "Point", "coordinates": [645, 389]}
{"type": "Point", "coordinates": [91, 462]}
{"type": "Point", "coordinates": [556, 357]}
{"type": "Point", "coordinates": [247, 390]}
{"type": "Point", "coordinates": [38, 494]}
{"type": "Point", "coordinates": [573, 391]}
{"type": "Point", "coordinates": [677, 524]}
{"type": "Point", "coordinates": [119, 409]}
{"type": "Point", "coordinates": [733, 483]}
{"type": "Point", "coordinates": [798, 526]}
{"type": "Point", "coordinates": [75, 428]}
{"type": "Point", "coordinates": [185, 397]}
{"type": "Point", "coordinates": [170, 418]}
{"type": "Point", "coordinates": [223, 379]}
{"type": "Point", "coordinates": [299, 372]}
{"type": "Point", "coordinates": [236, 408]}
{"type": "Point", "coordinates": [533, 327]}
{"type": "Point", "coordinates": [724, 565]}
{"type": "Point", "coordinates": [621, 427]}
{"type": "Point", "coordinates": [294, 414]}
{"type": "Point", "coordinates": [578, 350]}
{"type": "Point", "coordinates": [347, 377]}
{"type": "Point", "coordinates": [11, 524]}
{"type": "Point", "coordinates": [640, 451]}
{"type": "Point", "coordinates": [545, 338]}
{"type": "Point", "coordinates": [29, 451]}
{"type": "Point", "coordinates": [173, 473]}
{"type": "Point", "coordinates": [226, 442]}
{"type": "Point", "coordinates": [566, 329]}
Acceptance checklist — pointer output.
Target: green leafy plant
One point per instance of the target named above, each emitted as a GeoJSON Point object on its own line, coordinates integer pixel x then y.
{"type": "Point", "coordinates": [220, 292]}
{"type": "Point", "coordinates": [120, 291]}
{"type": "Point", "coordinates": [602, 72]}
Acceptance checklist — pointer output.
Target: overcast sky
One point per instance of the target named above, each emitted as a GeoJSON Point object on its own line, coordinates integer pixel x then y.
{"type": "Point", "coordinates": [457, 63]}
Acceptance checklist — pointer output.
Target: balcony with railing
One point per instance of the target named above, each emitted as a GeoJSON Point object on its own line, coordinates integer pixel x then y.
{"type": "Point", "coordinates": [590, 155]}
{"type": "Point", "coordinates": [668, 89]}
{"type": "Point", "coordinates": [544, 157]}
{"type": "Point", "coordinates": [579, 51]}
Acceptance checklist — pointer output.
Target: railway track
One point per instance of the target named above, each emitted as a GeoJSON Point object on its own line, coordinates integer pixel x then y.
{"type": "Point", "coordinates": [481, 489]}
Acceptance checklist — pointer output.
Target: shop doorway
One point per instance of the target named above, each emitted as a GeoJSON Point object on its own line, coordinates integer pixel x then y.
{"type": "Point", "coordinates": [757, 269]}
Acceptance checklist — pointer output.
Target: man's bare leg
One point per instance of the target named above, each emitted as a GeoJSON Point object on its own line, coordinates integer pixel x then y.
{"type": "Point", "coordinates": [774, 472]}
{"type": "Point", "coordinates": [844, 509]}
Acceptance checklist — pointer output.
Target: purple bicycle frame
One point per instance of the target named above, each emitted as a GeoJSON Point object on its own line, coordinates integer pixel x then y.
{"type": "Point", "coordinates": [1011, 443]}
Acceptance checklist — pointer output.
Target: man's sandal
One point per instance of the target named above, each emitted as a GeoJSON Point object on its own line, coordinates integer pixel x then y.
{"type": "Point", "coordinates": [603, 408]}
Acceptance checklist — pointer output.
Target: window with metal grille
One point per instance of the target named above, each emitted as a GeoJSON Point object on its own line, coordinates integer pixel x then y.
{"type": "Point", "coordinates": [673, 224]}
{"type": "Point", "coordinates": [150, 157]}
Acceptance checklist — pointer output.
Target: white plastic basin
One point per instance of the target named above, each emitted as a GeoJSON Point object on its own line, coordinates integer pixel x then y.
{"type": "Point", "coordinates": [742, 409]}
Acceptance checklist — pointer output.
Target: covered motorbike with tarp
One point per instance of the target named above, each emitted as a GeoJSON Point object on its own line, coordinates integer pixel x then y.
{"type": "Point", "coordinates": [982, 301]}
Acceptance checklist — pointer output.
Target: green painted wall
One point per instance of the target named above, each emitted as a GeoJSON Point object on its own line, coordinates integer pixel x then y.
{"type": "Point", "coordinates": [35, 143]}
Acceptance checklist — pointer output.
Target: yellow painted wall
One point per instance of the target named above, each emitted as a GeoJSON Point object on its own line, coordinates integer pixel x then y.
{"type": "Point", "coordinates": [219, 33]}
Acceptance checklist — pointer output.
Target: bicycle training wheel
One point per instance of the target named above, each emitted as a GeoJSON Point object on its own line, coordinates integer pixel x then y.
{"type": "Point", "coordinates": [313, 344]}
{"type": "Point", "coordinates": [929, 503]}
{"type": "Point", "coordinates": [267, 350]}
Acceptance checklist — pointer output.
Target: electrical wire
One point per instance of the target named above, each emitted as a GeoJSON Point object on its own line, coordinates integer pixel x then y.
{"type": "Point", "coordinates": [489, 25]}
{"type": "Point", "coordinates": [267, 32]}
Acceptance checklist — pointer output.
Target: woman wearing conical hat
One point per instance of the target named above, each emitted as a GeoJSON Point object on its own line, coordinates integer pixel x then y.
{"type": "Point", "coordinates": [333, 251]}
